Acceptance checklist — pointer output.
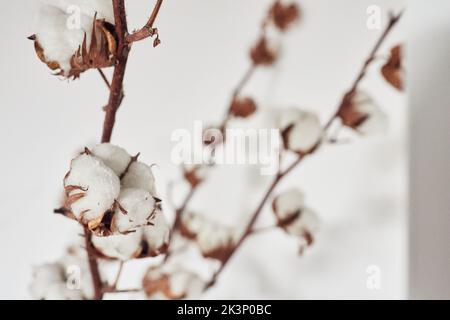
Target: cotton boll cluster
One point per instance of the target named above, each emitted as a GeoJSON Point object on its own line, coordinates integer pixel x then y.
{"type": "Point", "coordinates": [173, 285]}
{"type": "Point", "coordinates": [67, 279]}
{"type": "Point", "coordinates": [146, 241]}
{"type": "Point", "coordinates": [294, 217]}
{"type": "Point", "coordinates": [72, 36]}
{"type": "Point", "coordinates": [360, 113]}
{"type": "Point", "coordinates": [111, 192]}
{"type": "Point", "coordinates": [214, 240]}
{"type": "Point", "coordinates": [301, 130]}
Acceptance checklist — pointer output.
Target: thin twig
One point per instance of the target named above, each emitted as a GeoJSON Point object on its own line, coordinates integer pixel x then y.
{"type": "Point", "coordinates": [93, 266]}
{"type": "Point", "coordinates": [248, 231]}
{"type": "Point", "coordinates": [119, 273]}
{"type": "Point", "coordinates": [227, 117]}
{"type": "Point", "coordinates": [147, 30]}
{"type": "Point", "coordinates": [105, 79]}
{"type": "Point", "coordinates": [120, 19]}
{"type": "Point", "coordinates": [178, 215]}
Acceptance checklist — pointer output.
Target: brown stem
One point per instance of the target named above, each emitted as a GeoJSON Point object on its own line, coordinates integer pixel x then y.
{"type": "Point", "coordinates": [248, 231]}
{"type": "Point", "coordinates": [110, 117]}
{"type": "Point", "coordinates": [93, 266]}
{"type": "Point", "coordinates": [120, 20]}
{"type": "Point", "coordinates": [178, 216]}
{"type": "Point", "coordinates": [147, 30]}
{"type": "Point", "coordinates": [393, 19]}
{"type": "Point", "coordinates": [224, 123]}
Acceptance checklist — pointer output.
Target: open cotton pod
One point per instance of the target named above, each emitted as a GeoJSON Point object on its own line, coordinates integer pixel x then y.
{"type": "Point", "coordinates": [119, 247]}
{"type": "Point", "coordinates": [301, 130]}
{"type": "Point", "coordinates": [172, 285]}
{"type": "Point", "coordinates": [214, 240]}
{"type": "Point", "coordinates": [109, 191]}
{"type": "Point", "coordinates": [67, 279]}
{"type": "Point", "coordinates": [156, 237]}
{"type": "Point", "coordinates": [143, 242]}
{"type": "Point", "coordinates": [360, 113]}
{"type": "Point", "coordinates": [294, 217]}
{"type": "Point", "coordinates": [72, 36]}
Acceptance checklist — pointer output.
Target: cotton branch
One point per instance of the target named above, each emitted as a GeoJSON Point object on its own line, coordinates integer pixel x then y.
{"type": "Point", "coordinates": [243, 81]}
{"type": "Point", "coordinates": [281, 175]}
{"type": "Point", "coordinates": [147, 30]}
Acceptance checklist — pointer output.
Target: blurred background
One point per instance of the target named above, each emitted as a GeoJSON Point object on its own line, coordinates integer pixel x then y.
{"type": "Point", "coordinates": [359, 189]}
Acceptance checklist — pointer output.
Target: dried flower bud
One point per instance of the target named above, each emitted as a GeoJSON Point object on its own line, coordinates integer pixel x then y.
{"type": "Point", "coordinates": [243, 107]}
{"type": "Point", "coordinates": [264, 52]}
{"type": "Point", "coordinates": [110, 191]}
{"type": "Point", "coordinates": [69, 45]}
{"type": "Point", "coordinates": [301, 130]}
{"type": "Point", "coordinates": [54, 281]}
{"type": "Point", "coordinates": [284, 15]}
{"type": "Point", "coordinates": [214, 240]}
{"type": "Point", "coordinates": [174, 285]}
{"type": "Point", "coordinates": [392, 70]}
{"type": "Point", "coordinates": [293, 217]}
{"type": "Point", "coordinates": [362, 114]}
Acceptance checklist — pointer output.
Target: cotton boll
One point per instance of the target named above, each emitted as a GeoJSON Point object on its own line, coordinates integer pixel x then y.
{"type": "Point", "coordinates": [157, 235]}
{"type": "Point", "coordinates": [192, 224]}
{"type": "Point", "coordinates": [57, 41]}
{"type": "Point", "coordinates": [376, 120]}
{"type": "Point", "coordinates": [44, 277]}
{"type": "Point", "coordinates": [288, 116]}
{"type": "Point", "coordinates": [307, 224]}
{"type": "Point", "coordinates": [62, 28]}
{"type": "Point", "coordinates": [288, 203]}
{"type": "Point", "coordinates": [186, 284]}
{"type": "Point", "coordinates": [136, 208]}
{"type": "Point", "coordinates": [360, 112]}
{"type": "Point", "coordinates": [214, 240]}
{"type": "Point", "coordinates": [304, 134]}
{"type": "Point", "coordinates": [67, 279]}
{"type": "Point", "coordinates": [175, 284]}
{"type": "Point", "coordinates": [294, 217]}
{"type": "Point", "coordinates": [112, 156]}
{"type": "Point", "coordinates": [77, 272]}
{"type": "Point", "coordinates": [92, 189]}
{"type": "Point", "coordinates": [139, 176]}
{"type": "Point", "coordinates": [123, 246]}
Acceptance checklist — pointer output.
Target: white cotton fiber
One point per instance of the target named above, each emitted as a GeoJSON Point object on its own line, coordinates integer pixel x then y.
{"type": "Point", "coordinates": [99, 184]}
{"type": "Point", "coordinates": [140, 206]}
